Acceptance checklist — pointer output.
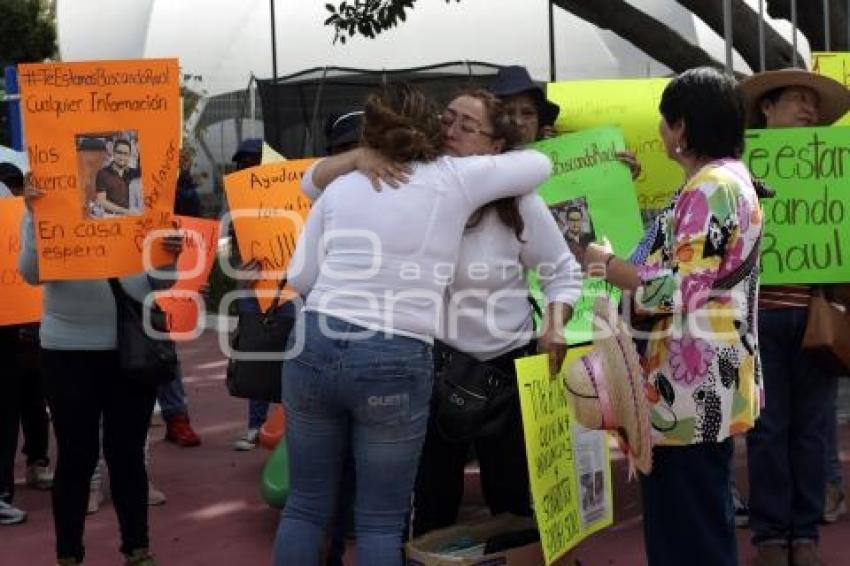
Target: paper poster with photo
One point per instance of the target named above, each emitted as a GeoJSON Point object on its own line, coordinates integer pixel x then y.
{"type": "Point", "coordinates": [20, 302]}
{"type": "Point", "coordinates": [103, 139]}
{"type": "Point", "coordinates": [569, 466]}
{"type": "Point", "coordinates": [268, 209]}
{"type": "Point", "coordinates": [591, 197]}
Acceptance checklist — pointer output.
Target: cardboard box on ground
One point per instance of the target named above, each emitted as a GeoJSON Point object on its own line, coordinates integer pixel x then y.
{"type": "Point", "coordinates": [430, 549]}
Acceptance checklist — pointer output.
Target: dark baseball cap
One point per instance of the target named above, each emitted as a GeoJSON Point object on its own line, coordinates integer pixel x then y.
{"type": "Point", "coordinates": [249, 146]}
{"type": "Point", "coordinates": [343, 128]}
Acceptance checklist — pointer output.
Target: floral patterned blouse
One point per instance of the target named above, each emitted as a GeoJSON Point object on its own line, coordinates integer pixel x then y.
{"type": "Point", "coordinates": [701, 360]}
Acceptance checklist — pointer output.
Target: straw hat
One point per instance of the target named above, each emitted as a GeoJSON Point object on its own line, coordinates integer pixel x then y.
{"type": "Point", "coordinates": [607, 386]}
{"type": "Point", "coordinates": [833, 96]}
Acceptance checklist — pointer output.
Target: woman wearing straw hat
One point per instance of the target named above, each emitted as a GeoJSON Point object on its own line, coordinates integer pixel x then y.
{"type": "Point", "coordinates": [695, 274]}
{"type": "Point", "coordinates": [787, 450]}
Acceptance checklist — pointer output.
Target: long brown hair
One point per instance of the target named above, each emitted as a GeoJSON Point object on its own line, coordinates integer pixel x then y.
{"type": "Point", "coordinates": [402, 123]}
{"type": "Point", "coordinates": [504, 129]}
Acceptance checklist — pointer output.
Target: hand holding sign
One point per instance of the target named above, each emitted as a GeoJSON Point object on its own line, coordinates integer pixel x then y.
{"type": "Point", "coordinates": [31, 192]}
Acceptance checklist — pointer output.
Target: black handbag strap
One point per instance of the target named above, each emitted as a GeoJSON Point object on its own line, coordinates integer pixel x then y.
{"type": "Point", "coordinates": [276, 300]}
{"type": "Point", "coordinates": [731, 279]}
{"type": "Point", "coordinates": [117, 290]}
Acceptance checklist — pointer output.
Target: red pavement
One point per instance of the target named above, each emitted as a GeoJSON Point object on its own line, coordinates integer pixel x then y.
{"type": "Point", "coordinates": [215, 515]}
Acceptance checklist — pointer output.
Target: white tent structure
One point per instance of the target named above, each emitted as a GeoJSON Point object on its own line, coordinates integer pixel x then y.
{"type": "Point", "coordinates": [224, 41]}
{"type": "Point", "coordinates": [221, 44]}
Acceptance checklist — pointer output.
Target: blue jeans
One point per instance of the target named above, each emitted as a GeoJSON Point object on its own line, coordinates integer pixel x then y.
{"type": "Point", "coordinates": [369, 396]}
{"type": "Point", "coordinates": [834, 474]}
{"type": "Point", "coordinates": [687, 506]}
{"type": "Point", "coordinates": [786, 451]}
{"type": "Point", "coordinates": [172, 397]}
{"type": "Point", "coordinates": [257, 413]}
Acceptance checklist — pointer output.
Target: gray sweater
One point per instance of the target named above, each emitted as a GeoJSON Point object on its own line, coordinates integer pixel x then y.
{"type": "Point", "coordinates": [78, 315]}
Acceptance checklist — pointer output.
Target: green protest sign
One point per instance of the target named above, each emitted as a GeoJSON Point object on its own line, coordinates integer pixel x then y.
{"type": "Point", "coordinates": [807, 224]}
{"type": "Point", "coordinates": [592, 197]}
{"type": "Point", "coordinates": [631, 104]}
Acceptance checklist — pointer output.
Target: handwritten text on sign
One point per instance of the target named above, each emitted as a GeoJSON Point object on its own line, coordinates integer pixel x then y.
{"type": "Point", "coordinates": [182, 302]}
{"type": "Point", "coordinates": [631, 104]}
{"type": "Point", "coordinates": [569, 467]}
{"type": "Point", "coordinates": [268, 211]}
{"type": "Point", "coordinates": [76, 116]}
{"type": "Point", "coordinates": [20, 302]}
{"type": "Point", "coordinates": [807, 224]}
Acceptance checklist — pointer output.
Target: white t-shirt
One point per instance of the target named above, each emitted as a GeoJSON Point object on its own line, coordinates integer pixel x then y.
{"type": "Point", "coordinates": [382, 260]}
{"type": "Point", "coordinates": [488, 312]}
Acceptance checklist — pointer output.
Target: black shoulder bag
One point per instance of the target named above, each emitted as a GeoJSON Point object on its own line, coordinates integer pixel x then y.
{"type": "Point", "coordinates": [143, 358]}
{"type": "Point", "coordinates": [472, 398]}
{"type": "Point", "coordinates": [263, 334]}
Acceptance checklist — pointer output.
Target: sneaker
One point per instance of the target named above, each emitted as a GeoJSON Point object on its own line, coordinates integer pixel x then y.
{"type": "Point", "coordinates": [39, 475]}
{"type": "Point", "coordinates": [771, 555]}
{"type": "Point", "coordinates": [805, 553]}
{"type": "Point", "coordinates": [835, 505]}
{"type": "Point", "coordinates": [742, 512]}
{"type": "Point", "coordinates": [11, 515]}
{"type": "Point", "coordinates": [248, 440]}
{"type": "Point", "coordinates": [95, 499]}
{"type": "Point", "coordinates": [179, 430]}
{"type": "Point", "coordinates": [155, 496]}
{"type": "Point", "coordinates": [140, 557]}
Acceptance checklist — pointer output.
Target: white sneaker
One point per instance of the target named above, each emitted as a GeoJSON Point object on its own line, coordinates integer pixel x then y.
{"type": "Point", "coordinates": [248, 440]}
{"type": "Point", "coordinates": [155, 496]}
{"type": "Point", "coordinates": [39, 475]}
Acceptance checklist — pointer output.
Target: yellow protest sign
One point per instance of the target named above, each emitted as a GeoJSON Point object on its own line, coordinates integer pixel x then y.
{"type": "Point", "coordinates": [268, 209]}
{"type": "Point", "coordinates": [569, 466]}
{"type": "Point", "coordinates": [631, 104]}
{"type": "Point", "coordinates": [182, 302]}
{"type": "Point", "coordinates": [20, 302]}
{"type": "Point", "coordinates": [103, 141]}
{"type": "Point", "coordinates": [835, 65]}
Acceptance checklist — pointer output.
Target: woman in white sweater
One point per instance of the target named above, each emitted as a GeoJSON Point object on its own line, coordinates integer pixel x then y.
{"type": "Point", "coordinates": [372, 268]}
{"type": "Point", "coordinates": [487, 315]}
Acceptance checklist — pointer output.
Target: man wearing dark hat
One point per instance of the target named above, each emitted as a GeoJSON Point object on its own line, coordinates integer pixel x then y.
{"type": "Point", "coordinates": [526, 102]}
{"type": "Point", "coordinates": [787, 448]}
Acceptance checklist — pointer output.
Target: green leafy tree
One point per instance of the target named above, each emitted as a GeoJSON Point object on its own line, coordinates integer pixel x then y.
{"type": "Point", "coordinates": [27, 31]}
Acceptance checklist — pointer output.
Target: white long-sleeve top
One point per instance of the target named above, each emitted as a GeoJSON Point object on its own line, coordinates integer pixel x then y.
{"type": "Point", "coordinates": [382, 260]}
{"type": "Point", "coordinates": [488, 313]}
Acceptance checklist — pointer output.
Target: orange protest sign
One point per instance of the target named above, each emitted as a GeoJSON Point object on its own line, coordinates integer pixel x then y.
{"type": "Point", "coordinates": [20, 302]}
{"type": "Point", "coordinates": [103, 141]}
{"type": "Point", "coordinates": [182, 302]}
{"type": "Point", "coordinates": [268, 209]}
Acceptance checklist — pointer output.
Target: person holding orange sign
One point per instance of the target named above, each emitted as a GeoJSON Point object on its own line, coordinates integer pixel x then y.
{"type": "Point", "coordinates": [84, 384]}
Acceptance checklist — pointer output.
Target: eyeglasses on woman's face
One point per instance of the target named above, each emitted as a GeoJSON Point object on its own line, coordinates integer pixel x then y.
{"type": "Point", "coordinates": [466, 124]}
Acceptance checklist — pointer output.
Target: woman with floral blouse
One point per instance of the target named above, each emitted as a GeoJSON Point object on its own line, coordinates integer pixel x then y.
{"type": "Point", "coordinates": [694, 278]}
